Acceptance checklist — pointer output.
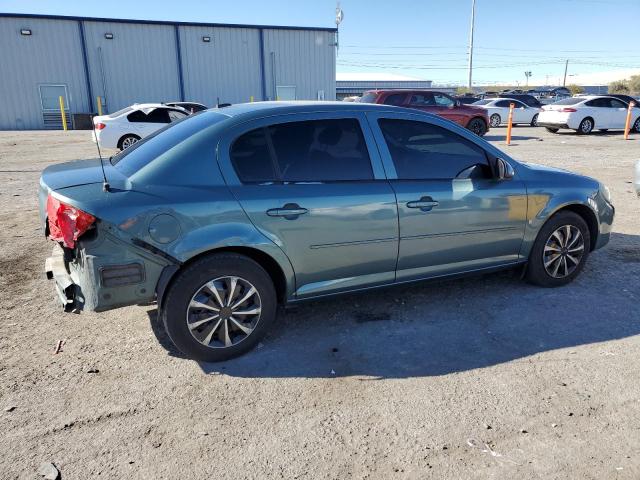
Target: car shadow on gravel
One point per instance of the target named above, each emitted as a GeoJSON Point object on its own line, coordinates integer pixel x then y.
{"type": "Point", "coordinates": [428, 329]}
{"type": "Point", "coordinates": [497, 138]}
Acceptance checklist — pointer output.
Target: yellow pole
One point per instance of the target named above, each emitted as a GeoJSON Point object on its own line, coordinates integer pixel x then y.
{"type": "Point", "coordinates": [99, 99]}
{"type": "Point", "coordinates": [251, 98]}
{"type": "Point", "coordinates": [64, 117]}
{"type": "Point", "coordinates": [627, 125]}
{"type": "Point", "coordinates": [510, 122]}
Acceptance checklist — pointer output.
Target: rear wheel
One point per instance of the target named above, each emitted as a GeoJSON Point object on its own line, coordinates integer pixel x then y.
{"type": "Point", "coordinates": [219, 307]}
{"type": "Point", "coordinates": [495, 120]}
{"type": "Point", "coordinates": [477, 126]}
{"type": "Point", "coordinates": [552, 130]}
{"type": "Point", "coordinates": [560, 250]}
{"type": "Point", "coordinates": [586, 126]}
{"type": "Point", "coordinates": [128, 141]}
{"type": "Point", "coordinates": [636, 125]}
{"type": "Point", "coordinates": [534, 120]}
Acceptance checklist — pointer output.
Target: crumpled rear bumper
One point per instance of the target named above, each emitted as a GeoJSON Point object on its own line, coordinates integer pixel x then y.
{"type": "Point", "coordinates": [103, 274]}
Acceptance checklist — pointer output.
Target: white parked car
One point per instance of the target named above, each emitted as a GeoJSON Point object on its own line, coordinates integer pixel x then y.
{"type": "Point", "coordinates": [498, 111]}
{"type": "Point", "coordinates": [125, 127]}
{"type": "Point", "coordinates": [585, 114]}
{"type": "Point", "coordinates": [637, 179]}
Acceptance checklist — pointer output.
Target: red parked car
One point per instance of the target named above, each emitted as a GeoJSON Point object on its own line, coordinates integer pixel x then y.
{"type": "Point", "coordinates": [441, 104]}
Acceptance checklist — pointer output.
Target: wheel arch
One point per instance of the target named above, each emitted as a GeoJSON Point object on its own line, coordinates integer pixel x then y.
{"type": "Point", "coordinates": [262, 258]}
{"type": "Point", "coordinates": [587, 215]}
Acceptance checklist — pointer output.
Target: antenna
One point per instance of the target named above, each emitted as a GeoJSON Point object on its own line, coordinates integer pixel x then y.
{"type": "Point", "coordinates": [105, 183]}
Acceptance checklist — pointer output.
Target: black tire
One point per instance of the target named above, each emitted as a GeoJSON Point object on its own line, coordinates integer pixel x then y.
{"type": "Point", "coordinates": [536, 271]}
{"type": "Point", "coordinates": [551, 130]}
{"type": "Point", "coordinates": [190, 280]}
{"type": "Point", "coordinates": [603, 129]}
{"type": "Point", "coordinates": [127, 140]}
{"type": "Point", "coordinates": [477, 126]}
{"type": "Point", "coordinates": [495, 120]}
{"type": "Point", "coordinates": [636, 126]}
{"type": "Point", "coordinates": [534, 120]}
{"type": "Point", "coordinates": [586, 126]}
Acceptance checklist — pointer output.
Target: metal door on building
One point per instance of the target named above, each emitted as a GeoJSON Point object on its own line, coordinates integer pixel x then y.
{"type": "Point", "coordinates": [286, 92]}
{"type": "Point", "coordinates": [50, 101]}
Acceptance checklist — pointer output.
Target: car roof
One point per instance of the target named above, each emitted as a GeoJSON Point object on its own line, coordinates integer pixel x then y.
{"type": "Point", "coordinates": [262, 109]}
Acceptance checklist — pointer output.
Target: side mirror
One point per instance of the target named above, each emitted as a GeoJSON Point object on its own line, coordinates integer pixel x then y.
{"type": "Point", "coordinates": [504, 171]}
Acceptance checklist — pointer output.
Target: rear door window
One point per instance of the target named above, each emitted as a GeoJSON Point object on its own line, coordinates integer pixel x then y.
{"type": "Point", "coordinates": [307, 151]}
{"type": "Point", "coordinates": [158, 115]}
{"type": "Point", "coordinates": [422, 151]}
{"type": "Point", "coordinates": [422, 100]}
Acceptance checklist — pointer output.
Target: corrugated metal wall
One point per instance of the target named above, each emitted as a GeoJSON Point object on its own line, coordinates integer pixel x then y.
{"type": "Point", "coordinates": [301, 58]}
{"type": "Point", "coordinates": [138, 65]}
{"type": "Point", "coordinates": [52, 54]}
{"type": "Point", "coordinates": [226, 68]}
{"type": "Point", "coordinates": [142, 63]}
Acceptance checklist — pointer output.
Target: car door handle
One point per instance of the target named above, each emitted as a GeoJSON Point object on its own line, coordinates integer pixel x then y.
{"type": "Point", "coordinates": [290, 211]}
{"type": "Point", "coordinates": [425, 204]}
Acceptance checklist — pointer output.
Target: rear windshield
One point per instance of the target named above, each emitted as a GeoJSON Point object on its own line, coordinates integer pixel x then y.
{"type": "Point", "coordinates": [368, 97]}
{"type": "Point", "coordinates": [570, 101]}
{"type": "Point", "coordinates": [139, 155]}
{"type": "Point", "coordinates": [120, 112]}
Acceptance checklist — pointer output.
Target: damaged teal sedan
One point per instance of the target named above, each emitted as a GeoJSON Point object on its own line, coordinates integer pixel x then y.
{"type": "Point", "coordinates": [223, 216]}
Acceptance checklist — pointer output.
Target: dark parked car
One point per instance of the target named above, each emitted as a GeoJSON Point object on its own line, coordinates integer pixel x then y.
{"type": "Point", "coordinates": [625, 98]}
{"type": "Point", "coordinates": [439, 103]}
{"type": "Point", "coordinates": [467, 100]}
{"type": "Point", "coordinates": [529, 100]}
{"type": "Point", "coordinates": [191, 107]}
{"type": "Point", "coordinates": [222, 216]}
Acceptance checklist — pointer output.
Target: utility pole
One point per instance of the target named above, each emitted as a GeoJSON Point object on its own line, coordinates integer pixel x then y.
{"type": "Point", "coordinates": [566, 66]}
{"type": "Point", "coordinates": [473, 18]}
{"type": "Point", "coordinates": [527, 74]}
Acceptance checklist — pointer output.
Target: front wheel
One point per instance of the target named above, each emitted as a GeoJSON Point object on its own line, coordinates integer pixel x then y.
{"type": "Point", "coordinates": [477, 126]}
{"type": "Point", "coordinates": [495, 120]}
{"type": "Point", "coordinates": [534, 120]}
{"type": "Point", "coordinates": [636, 125]}
{"type": "Point", "coordinates": [560, 250]}
{"type": "Point", "coordinates": [219, 307]}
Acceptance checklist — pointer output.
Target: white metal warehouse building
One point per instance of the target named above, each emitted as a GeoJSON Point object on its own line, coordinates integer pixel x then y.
{"type": "Point", "coordinates": [43, 57]}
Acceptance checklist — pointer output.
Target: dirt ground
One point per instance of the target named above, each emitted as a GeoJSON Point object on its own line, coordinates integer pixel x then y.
{"type": "Point", "coordinates": [481, 378]}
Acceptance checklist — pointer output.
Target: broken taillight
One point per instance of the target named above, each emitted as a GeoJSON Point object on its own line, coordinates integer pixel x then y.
{"type": "Point", "coordinates": [67, 223]}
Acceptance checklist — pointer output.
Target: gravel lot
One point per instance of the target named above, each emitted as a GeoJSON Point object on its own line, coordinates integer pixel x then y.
{"type": "Point", "coordinates": [486, 377]}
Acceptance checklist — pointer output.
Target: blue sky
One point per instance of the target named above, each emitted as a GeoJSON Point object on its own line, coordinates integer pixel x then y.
{"type": "Point", "coordinates": [421, 38]}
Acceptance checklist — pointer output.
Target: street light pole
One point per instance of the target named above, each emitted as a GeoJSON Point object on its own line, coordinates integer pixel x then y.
{"type": "Point", "coordinates": [473, 18]}
{"type": "Point", "coordinates": [566, 66]}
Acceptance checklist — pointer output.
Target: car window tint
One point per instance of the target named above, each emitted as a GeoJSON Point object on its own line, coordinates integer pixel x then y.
{"type": "Point", "coordinates": [395, 99]}
{"type": "Point", "coordinates": [251, 158]}
{"type": "Point", "coordinates": [321, 150]}
{"type": "Point", "coordinates": [175, 115]}
{"type": "Point", "coordinates": [422, 99]}
{"type": "Point", "coordinates": [421, 150]}
{"type": "Point", "coordinates": [503, 103]}
{"type": "Point", "coordinates": [615, 103]}
{"type": "Point", "coordinates": [158, 115]}
{"type": "Point", "coordinates": [442, 100]}
{"type": "Point", "coordinates": [137, 116]}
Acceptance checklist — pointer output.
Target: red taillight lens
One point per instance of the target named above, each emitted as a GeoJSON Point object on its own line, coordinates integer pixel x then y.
{"type": "Point", "coordinates": [66, 223]}
{"type": "Point", "coordinates": [568, 110]}
{"type": "Point", "coordinates": [100, 126]}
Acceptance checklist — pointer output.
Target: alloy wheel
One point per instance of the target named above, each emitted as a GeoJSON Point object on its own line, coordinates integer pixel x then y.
{"type": "Point", "coordinates": [563, 251]}
{"type": "Point", "coordinates": [586, 126]}
{"type": "Point", "coordinates": [495, 120]}
{"type": "Point", "coordinates": [224, 312]}
{"type": "Point", "coordinates": [129, 141]}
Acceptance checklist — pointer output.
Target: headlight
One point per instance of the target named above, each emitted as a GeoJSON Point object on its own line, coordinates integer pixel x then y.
{"type": "Point", "coordinates": [606, 193]}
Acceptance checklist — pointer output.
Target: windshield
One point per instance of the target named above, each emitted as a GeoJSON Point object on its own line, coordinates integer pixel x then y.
{"type": "Point", "coordinates": [120, 112]}
{"type": "Point", "coordinates": [482, 102]}
{"type": "Point", "coordinates": [139, 155]}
